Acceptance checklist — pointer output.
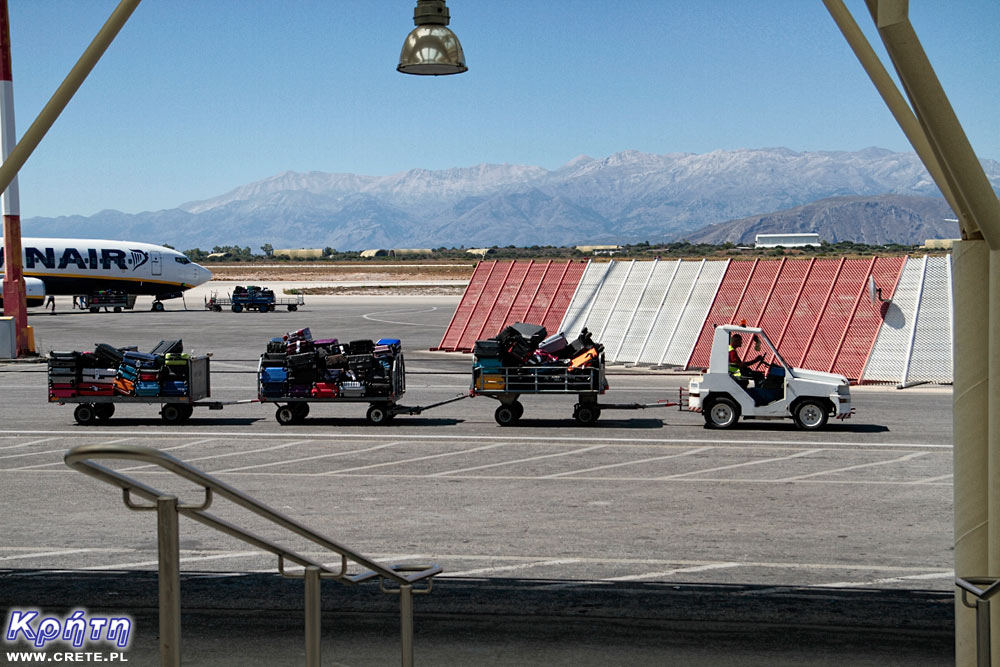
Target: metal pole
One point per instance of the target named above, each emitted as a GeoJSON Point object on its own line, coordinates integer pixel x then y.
{"type": "Point", "coordinates": [983, 645]}
{"type": "Point", "coordinates": [312, 580]}
{"type": "Point", "coordinates": [406, 622]}
{"type": "Point", "coordinates": [15, 302]}
{"type": "Point", "coordinates": [20, 154]}
{"type": "Point", "coordinates": [168, 541]}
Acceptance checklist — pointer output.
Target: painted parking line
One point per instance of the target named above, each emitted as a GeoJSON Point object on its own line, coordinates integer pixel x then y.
{"type": "Point", "coordinates": [219, 456]}
{"type": "Point", "coordinates": [931, 480]}
{"type": "Point", "coordinates": [418, 458]}
{"type": "Point", "coordinates": [28, 444]}
{"type": "Point", "coordinates": [60, 462]}
{"type": "Point", "coordinates": [946, 574]}
{"type": "Point", "coordinates": [525, 460]}
{"type": "Point", "coordinates": [307, 458]}
{"type": "Point", "coordinates": [63, 552]}
{"type": "Point", "coordinates": [626, 463]}
{"type": "Point", "coordinates": [742, 465]}
{"type": "Point", "coordinates": [679, 570]}
{"type": "Point", "coordinates": [183, 559]}
{"type": "Point", "coordinates": [510, 568]}
{"type": "Point", "coordinates": [854, 467]}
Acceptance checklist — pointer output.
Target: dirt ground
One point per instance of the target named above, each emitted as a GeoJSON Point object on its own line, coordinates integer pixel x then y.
{"type": "Point", "coordinates": [341, 272]}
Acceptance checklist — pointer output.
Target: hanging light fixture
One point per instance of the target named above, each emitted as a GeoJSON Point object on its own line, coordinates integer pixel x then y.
{"type": "Point", "coordinates": [431, 48]}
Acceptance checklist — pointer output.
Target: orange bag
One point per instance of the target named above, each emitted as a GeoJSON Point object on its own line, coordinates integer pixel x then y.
{"type": "Point", "coordinates": [583, 358]}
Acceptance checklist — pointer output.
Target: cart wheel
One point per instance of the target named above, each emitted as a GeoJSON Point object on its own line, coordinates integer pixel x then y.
{"type": "Point", "coordinates": [300, 410]}
{"type": "Point", "coordinates": [157, 307]}
{"type": "Point", "coordinates": [217, 308]}
{"type": "Point", "coordinates": [810, 415]}
{"type": "Point", "coordinates": [285, 415]}
{"type": "Point", "coordinates": [103, 411]}
{"type": "Point", "coordinates": [292, 308]}
{"type": "Point", "coordinates": [505, 415]}
{"type": "Point", "coordinates": [171, 413]}
{"type": "Point", "coordinates": [85, 414]}
{"type": "Point", "coordinates": [237, 308]}
{"type": "Point", "coordinates": [94, 309]}
{"type": "Point", "coordinates": [263, 308]}
{"type": "Point", "coordinates": [186, 411]}
{"type": "Point", "coordinates": [118, 309]}
{"type": "Point", "coordinates": [722, 412]}
{"type": "Point", "coordinates": [518, 409]}
{"type": "Point", "coordinates": [377, 415]}
{"type": "Point", "coordinates": [586, 415]}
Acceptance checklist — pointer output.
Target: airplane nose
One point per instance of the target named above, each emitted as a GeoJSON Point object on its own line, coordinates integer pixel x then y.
{"type": "Point", "coordinates": [202, 275]}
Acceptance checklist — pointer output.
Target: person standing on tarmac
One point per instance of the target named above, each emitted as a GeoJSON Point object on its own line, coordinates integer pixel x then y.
{"type": "Point", "coordinates": [51, 301]}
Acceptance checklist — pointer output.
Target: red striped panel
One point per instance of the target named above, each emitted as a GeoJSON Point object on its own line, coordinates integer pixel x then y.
{"type": "Point", "coordinates": [727, 299]}
{"type": "Point", "coordinates": [860, 334]}
{"type": "Point", "coordinates": [801, 325]}
{"type": "Point", "coordinates": [563, 295]}
{"type": "Point", "coordinates": [756, 297]}
{"type": "Point", "coordinates": [785, 297]}
{"type": "Point", "coordinates": [501, 293]}
{"type": "Point", "coordinates": [466, 307]}
{"type": "Point", "coordinates": [838, 313]}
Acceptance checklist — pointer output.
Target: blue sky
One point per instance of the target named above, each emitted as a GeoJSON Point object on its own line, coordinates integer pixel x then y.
{"type": "Point", "coordinates": [197, 97]}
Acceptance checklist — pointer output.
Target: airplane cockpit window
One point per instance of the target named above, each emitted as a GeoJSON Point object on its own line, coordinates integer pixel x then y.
{"type": "Point", "coordinates": [182, 260]}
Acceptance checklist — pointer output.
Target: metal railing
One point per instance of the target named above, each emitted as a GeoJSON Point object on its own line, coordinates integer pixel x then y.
{"type": "Point", "coordinates": [983, 588]}
{"type": "Point", "coordinates": [395, 579]}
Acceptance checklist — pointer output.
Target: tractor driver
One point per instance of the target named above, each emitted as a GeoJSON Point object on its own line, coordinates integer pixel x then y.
{"type": "Point", "coordinates": [741, 370]}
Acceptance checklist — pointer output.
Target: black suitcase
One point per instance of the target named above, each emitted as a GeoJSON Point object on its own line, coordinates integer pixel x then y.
{"type": "Point", "coordinates": [336, 361]}
{"type": "Point", "coordinates": [487, 349]}
{"type": "Point", "coordinates": [302, 360]}
{"type": "Point", "coordinates": [274, 356]}
{"type": "Point", "coordinates": [168, 347]}
{"type": "Point", "coordinates": [531, 334]}
{"type": "Point", "coordinates": [361, 347]}
{"type": "Point", "coordinates": [107, 353]}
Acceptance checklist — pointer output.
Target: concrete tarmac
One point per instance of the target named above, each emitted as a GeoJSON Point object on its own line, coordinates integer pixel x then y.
{"type": "Point", "coordinates": [646, 497]}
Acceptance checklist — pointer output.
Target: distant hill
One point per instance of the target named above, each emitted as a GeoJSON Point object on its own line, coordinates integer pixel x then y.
{"type": "Point", "coordinates": [626, 197]}
{"type": "Point", "coordinates": [877, 220]}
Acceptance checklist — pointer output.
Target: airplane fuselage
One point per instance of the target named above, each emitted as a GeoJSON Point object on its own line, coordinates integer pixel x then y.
{"type": "Point", "coordinates": [85, 266]}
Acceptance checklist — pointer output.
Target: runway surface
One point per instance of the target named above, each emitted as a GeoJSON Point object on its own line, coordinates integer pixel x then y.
{"type": "Point", "coordinates": [646, 496]}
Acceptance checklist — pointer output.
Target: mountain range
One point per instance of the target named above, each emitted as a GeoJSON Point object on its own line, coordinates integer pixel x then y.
{"type": "Point", "coordinates": [873, 195]}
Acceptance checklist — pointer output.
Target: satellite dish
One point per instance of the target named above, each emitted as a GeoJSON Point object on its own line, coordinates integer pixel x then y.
{"type": "Point", "coordinates": [875, 293]}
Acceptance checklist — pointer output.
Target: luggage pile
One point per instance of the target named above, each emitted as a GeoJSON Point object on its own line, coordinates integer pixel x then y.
{"type": "Point", "coordinates": [113, 371]}
{"type": "Point", "coordinates": [298, 366]}
{"type": "Point", "coordinates": [524, 344]}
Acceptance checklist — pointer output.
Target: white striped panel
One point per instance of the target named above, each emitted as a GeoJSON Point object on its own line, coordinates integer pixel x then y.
{"type": "Point", "coordinates": [600, 308]}
{"type": "Point", "coordinates": [888, 357]}
{"type": "Point", "coordinates": [649, 308]}
{"type": "Point", "coordinates": [931, 359]}
{"type": "Point", "coordinates": [693, 317]}
{"type": "Point", "coordinates": [625, 309]}
{"type": "Point", "coordinates": [665, 324]}
{"type": "Point", "coordinates": [583, 297]}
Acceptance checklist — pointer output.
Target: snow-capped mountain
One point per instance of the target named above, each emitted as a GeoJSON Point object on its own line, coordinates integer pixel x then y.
{"type": "Point", "coordinates": [628, 196]}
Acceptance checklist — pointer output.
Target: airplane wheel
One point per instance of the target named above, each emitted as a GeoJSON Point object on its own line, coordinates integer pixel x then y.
{"type": "Point", "coordinates": [85, 414]}
{"type": "Point", "coordinates": [722, 412]}
{"type": "Point", "coordinates": [505, 415]}
{"type": "Point", "coordinates": [157, 307]}
{"type": "Point", "coordinates": [104, 411]}
{"type": "Point", "coordinates": [285, 415]}
{"type": "Point", "coordinates": [585, 415]}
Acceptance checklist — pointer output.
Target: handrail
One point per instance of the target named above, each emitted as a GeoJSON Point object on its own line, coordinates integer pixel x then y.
{"type": "Point", "coordinates": [403, 577]}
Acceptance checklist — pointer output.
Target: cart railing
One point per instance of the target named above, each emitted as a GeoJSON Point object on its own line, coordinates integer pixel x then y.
{"type": "Point", "coordinates": [394, 579]}
{"type": "Point", "coordinates": [537, 380]}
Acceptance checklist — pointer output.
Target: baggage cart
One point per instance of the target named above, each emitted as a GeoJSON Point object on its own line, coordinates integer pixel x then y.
{"type": "Point", "coordinates": [112, 299]}
{"type": "Point", "coordinates": [262, 301]}
{"type": "Point", "coordinates": [506, 384]}
{"type": "Point", "coordinates": [92, 409]}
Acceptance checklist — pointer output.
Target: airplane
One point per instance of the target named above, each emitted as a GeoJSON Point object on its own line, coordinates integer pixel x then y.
{"type": "Point", "coordinates": [87, 266]}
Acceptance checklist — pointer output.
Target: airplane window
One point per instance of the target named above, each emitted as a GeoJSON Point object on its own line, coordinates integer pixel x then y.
{"type": "Point", "coordinates": [182, 260]}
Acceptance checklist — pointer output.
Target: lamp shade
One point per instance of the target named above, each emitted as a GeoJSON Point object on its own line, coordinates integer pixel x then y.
{"type": "Point", "coordinates": [431, 49]}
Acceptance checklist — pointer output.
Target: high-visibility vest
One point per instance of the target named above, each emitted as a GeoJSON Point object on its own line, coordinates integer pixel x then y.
{"type": "Point", "coordinates": [734, 366]}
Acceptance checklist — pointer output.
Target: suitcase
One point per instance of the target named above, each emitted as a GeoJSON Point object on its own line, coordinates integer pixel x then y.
{"type": "Point", "coordinates": [360, 361]}
{"type": "Point", "coordinates": [336, 361]}
{"type": "Point", "coordinates": [174, 388]}
{"type": "Point", "coordinates": [487, 349]}
{"type": "Point", "coordinates": [63, 372]}
{"type": "Point", "coordinates": [168, 347]}
{"type": "Point", "coordinates": [89, 360]}
{"type": "Point", "coordinates": [62, 393]}
{"type": "Point", "coordinates": [142, 359]}
{"type": "Point", "coordinates": [176, 359]}
{"type": "Point", "coordinates": [70, 356]}
{"type": "Point", "coordinates": [490, 382]}
{"type": "Point", "coordinates": [554, 343]}
{"type": "Point", "coordinates": [149, 376]}
{"type": "Point", "coordinates": [124, 386]}
{"type": "Point", "coordinates": [583, 359]}
{"type": "Point", "coordinates": [383, 351]}
{"type": "Point", "coordinates": [487, 362]}
{"type": "Point", "coordinates": [361, 347]}
{"type": "Point", "coordinates": [63, 385]}
{"type": "Point", "coordinates": [299, 347]}
{"type": "Point", "coordinates": [299, 361]}
{"type": "Point", "coordinates": [300, 334]}
{"type": "Point", "coordinates": [352, 389]}
{"type": "Point", "coordinates": [273, 389]}
{"type": "Point", "coordinates": [174, 373]}
{"type": "Point", "coordinates": [276, 345]}
{"type": "Point", "coordinates": [98, 374]}
{"type": "Point", "coordinates": [391, 342]}
{"type": "Point", "coordinates": [128, 373]}
{"type": "Point", "coordinates": [273, 374]}
{"type": "Point", "coordinates": [299, 390]}
{"type": "Point", "coordinates": [147, 389]}
{"type": "Point", "coordinates": [274, 356]}
{"type": "Point", "coordinates": [378, 389]}
{"type": "Point", "coordinates": [324, 390]}
{"type": "Point", "coordinates": [531, 334]}
{"type": "Point", "coordinates": [110, 391]}
{"type": "Point", "coordinates": [332, 375]}
{"type": "Point", "coordinates": [326, 342]}
{"type": "Point", "coordinates": [108, 354]}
